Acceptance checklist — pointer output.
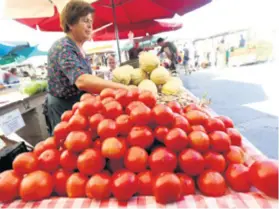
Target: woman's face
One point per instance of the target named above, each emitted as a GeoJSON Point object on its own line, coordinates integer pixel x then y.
{"type": "Point", "coordinates": [83, 29]}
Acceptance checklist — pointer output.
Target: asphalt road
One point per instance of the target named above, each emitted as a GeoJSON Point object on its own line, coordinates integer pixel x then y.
{"type": "Point", "coordinates": [248, 95]}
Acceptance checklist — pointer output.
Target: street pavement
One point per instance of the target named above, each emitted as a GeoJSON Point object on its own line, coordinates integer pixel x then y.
{"type": "Point", "coordinates": [246, 94]}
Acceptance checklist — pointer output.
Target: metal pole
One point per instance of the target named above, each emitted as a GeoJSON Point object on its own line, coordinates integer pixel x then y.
{"type": "Point", "coordinates": [116, 29]}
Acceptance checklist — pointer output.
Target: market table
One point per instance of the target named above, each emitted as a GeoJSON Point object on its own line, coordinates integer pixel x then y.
{"type": "Point", "coordinates": [231, 199]}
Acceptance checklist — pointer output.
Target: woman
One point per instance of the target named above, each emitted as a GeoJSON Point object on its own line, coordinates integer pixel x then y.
{"type": "Point", "coordinates": [69, 72]}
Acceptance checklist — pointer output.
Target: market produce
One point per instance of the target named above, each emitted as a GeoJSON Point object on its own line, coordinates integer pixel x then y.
{"type": "Point", "coordinates": [160, 75]}
{"type": "Point", "coordinates": [148, 85]}
{"type": "Point", "coordinates": [138, 75]}
{"type": "Point", "coordinates": [171, 88]}
{"type": "Point", "coordinates": [34, 87]}
{"type": "Point", "coordinates": [122, 74]}
{"type": "Point", "coordinates": [148, 61]}
{"type": "Point", "coordinates": [120, 147]}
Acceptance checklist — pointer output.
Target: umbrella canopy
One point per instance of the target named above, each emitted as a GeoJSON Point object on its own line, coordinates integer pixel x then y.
{"type": "Point", "coordinates": [7, 47]}
{"type": "Point", "coordinates": [138, 29]}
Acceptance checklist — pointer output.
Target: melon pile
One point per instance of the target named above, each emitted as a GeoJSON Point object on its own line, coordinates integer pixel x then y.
{"type": "Point", "coordinates": [122, 143]}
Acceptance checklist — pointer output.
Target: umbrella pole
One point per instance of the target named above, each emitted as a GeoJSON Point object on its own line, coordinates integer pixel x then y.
{"type": "Point", "coordinates": [116, 29]}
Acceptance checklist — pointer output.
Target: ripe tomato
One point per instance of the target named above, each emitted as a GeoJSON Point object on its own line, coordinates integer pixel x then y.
{"type": "Point", "coordinates": [199, 141]}
{"type": "Point", "coordinates": [235, 136]}
{"type": "Point", "coordinates": [214, 124]}
{"type": "Point", "coordinates": [191, 162]}
{"type": "Point", "coordinates": [136, 159]}
{"type": "Point", "coordinates": [187, 183]}
{"type": "Point", "coordinates": [39, 148]}
{"type": "Point", "coordinates": [49, 160]}
{"type": "Point", "coordinates": [235, 155]}
{"type": "Point", "coordinates": [133, 105]}
{"type": "Point", "coordinates": [264, 176]}
{"type": "Point", "coordinates": [75, 185]}
{"type": "Point", "coordinates": [78, 123]}
{"type": "Point", "coordinates": [115, 165]}
{"type": "Point", "coordinates": [237, 176]}
{"type": "Point", "coordinates": [135, 93]}
{"type": "Point", "coordinates": [124, 185]}
{"type": "Point", "coordinates": [141, 136]}
{"type": "Point", "coordinates": [182, 123]}
{"type": "Point", "coordinates": [86, 96]}
{"type": "Point", "coordinates": [148, 98]}
{"type": "Point", "coordinates": [99, 186]}
{"type": "Point", "coordinates": [175, 106]}
{"type": "Point", "coordinates": [162, 115]}
{"type": "Point", "coordinates": [198, 128]}
{"type": "Point", "coordinates": [214, 161]}
{"type": "Point", "coordinates": [90, 161]}
{"type": "Point", "coordinates": [176, 140]}
{"type": "Point", "coordinates": [9, 185]}
{"type": "Point", "coordinates": [190, 107]}
{"type": "Point", "coordinates": [51, 143]}
{"type": "Point", "coordinates": [107, 128]}
{"type": "Point", "coordinates": [140, 115]}
{"type": "Point", "coordinates": [107, 92]}
{"type": "Point", "coordinates": [87, 107]}
{"type": "Point", "coordinates": [220, 141]}
{"type": "Point", "coordinates": [107, 100]}
{"type": "Point", "coordinates": [123, 124]}
{"type": "Point", "coordinates": [196, 117]}
{"type": "Point", "coordinates": [160, 133]}
{"type": "Point", "coordinates": [24, 163]}
{"type": "Point", "coordinates": [75, 107]}
{"type": "Point", "coordinates": [77, 141]}
{"type": "Point", "coordinates": [167, 188]}
{"type": "Point", "coordinates": [97, 144]}
{"type": "Point", "coordinates": [66, 116]}
{"type": "Point", "coordinates": [112, 109]}
{"type": "Point", "coordinates": [227, 121]}
{"type": "Point", "coordinates": [162, 160]}
{"type": "Point", "coordinates": [61, 131]}
{"type": "Point", "coordinates": [68, 160]}
{"type": "Point", "coordinates": [60, 178]}
{"type": "Point", "coordinates": [124, 97]}
{"type": "Point", "coordinates": [35, 186]}
{"type": "Point", "coordinates": [113, 148]}
{"type": "Point", "coordinates": [145, 180]}
{"type": "Point", "coordinates": [95, 120]}
{"type": "Point", "coordinates": [212, 183]}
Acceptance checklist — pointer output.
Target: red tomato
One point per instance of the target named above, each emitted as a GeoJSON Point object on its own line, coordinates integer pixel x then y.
{"type": "Point", "coordinates": [190, 107]}
{"type": "Point", "coordinates": [141, 115]}
{"type": "Point", "coordinates": [196, 117]}
{"type": "Point", "coordinates": [90, 161]}
{"type": "Point", "coordinates": [97, 144]}
{"type": "Point", "coordinates": [176, 140]}
{"type": "Point", "coordinates": [175, 106]}
{"type": "Point", "coordinates": [98, 187]}
{"type": "Point", "coordinates": [237, 176]}
{"type": "Point", "coordinates": [162, 160]}
{"type": "Point", "coordinates": [49, 160]}
{"type": "Point", "coordinates": [107, 128]}
{"type": "Point", "coordinates": [107, 100]}
{"type": "Point", "coordinates": [61, 130]}
{"type": "Point", "coordinates": [9, 185]}
{"type": "Point", "coordinates": [68, 160]}
{"type": "Point", "coordinates": [78, 123]}
{"type": "Point", "coordinates": [136, 159]}
{"type": "Point", "coordinates": [112, 109]}
{"type": "Point", "coordinates": [191, 162]}
{"type": "Point", "coordinates": [113, 148]}
{"type": "Point", "coordinates": [132, 106]}
{"type": "Point", "coordinates": [66, 116]}
{"type": "Point", "coordinates": [35, 186]}
{"type": "Point", "coordinates": [107, 93]}
{"type": "Point", "coordinates": [148, 98]}
{"type": "Point", "coordinates": [167, 188]}
{"type": "Point", "coordinates": [160, 133]}
{"type": "Point", "coordinates": [220, 141]}
{"type": "Point", "coordinates": [187, 183]}
{"type": "Point", "coordinates": [51, 143]}
{"type": "Point", "coordinates": [124, 185]}
{"type": "Point", "coordinates": [182, 123]}
{"type": "Point", "coordinates": [75, 185]}
{"type": "Point", "coordinates": [77, 141]}
{"type": "Point", "coordinates": [214, 161]}
{"type": "Point", "coordinates": [212, 183]}
{"type": "Point", "coordinates": [199, 141]}
{"type": "Point", "coordinates": [162, 115]}
{"type": "Point", "coordinates": [39, 148]}
{"type": "Point", "coordinates": [124, 97]}
{"type": "Point", "coordinates": [264, 176]}
{"type": "Point", "coordinates": [235, 155]}
{"type": "Point", "coordinates": [227, 121]}
{"type": "Point", "coordinates": [60, 178]}
{"type": "Point", "coordinates": [198, 128]}
{"type": "Point", "coordinates": [235, 136]}
{"type": "Point", "coordinates": [24, 163]}
{"type": "Point", "coordinates": [141, 136]}
{"type": "Point", "coordinates": [75, 107]}
{"type": "Point", "coordinates": [145, 180]}
{"type": "Point", "coordinates": [135, 93]}
{"type": "Point", "coordinates": [123, 124]}
{"type": "Point", "coordinates": [214, 124]}
{"type": "Point", "coordinates": [87, 107]}
{"type": "Point", "coordinates": [115, 165]}
{"type": "Point", "coordinates": [95, 120]}
{"type": "Point", "coordinates": [86, 96]}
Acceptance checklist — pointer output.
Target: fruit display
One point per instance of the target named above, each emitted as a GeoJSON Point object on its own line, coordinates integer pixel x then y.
{"type": "Point", "coordinates": [34, 87]}
{"type": "Point", "coordinates": [123, 143]}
